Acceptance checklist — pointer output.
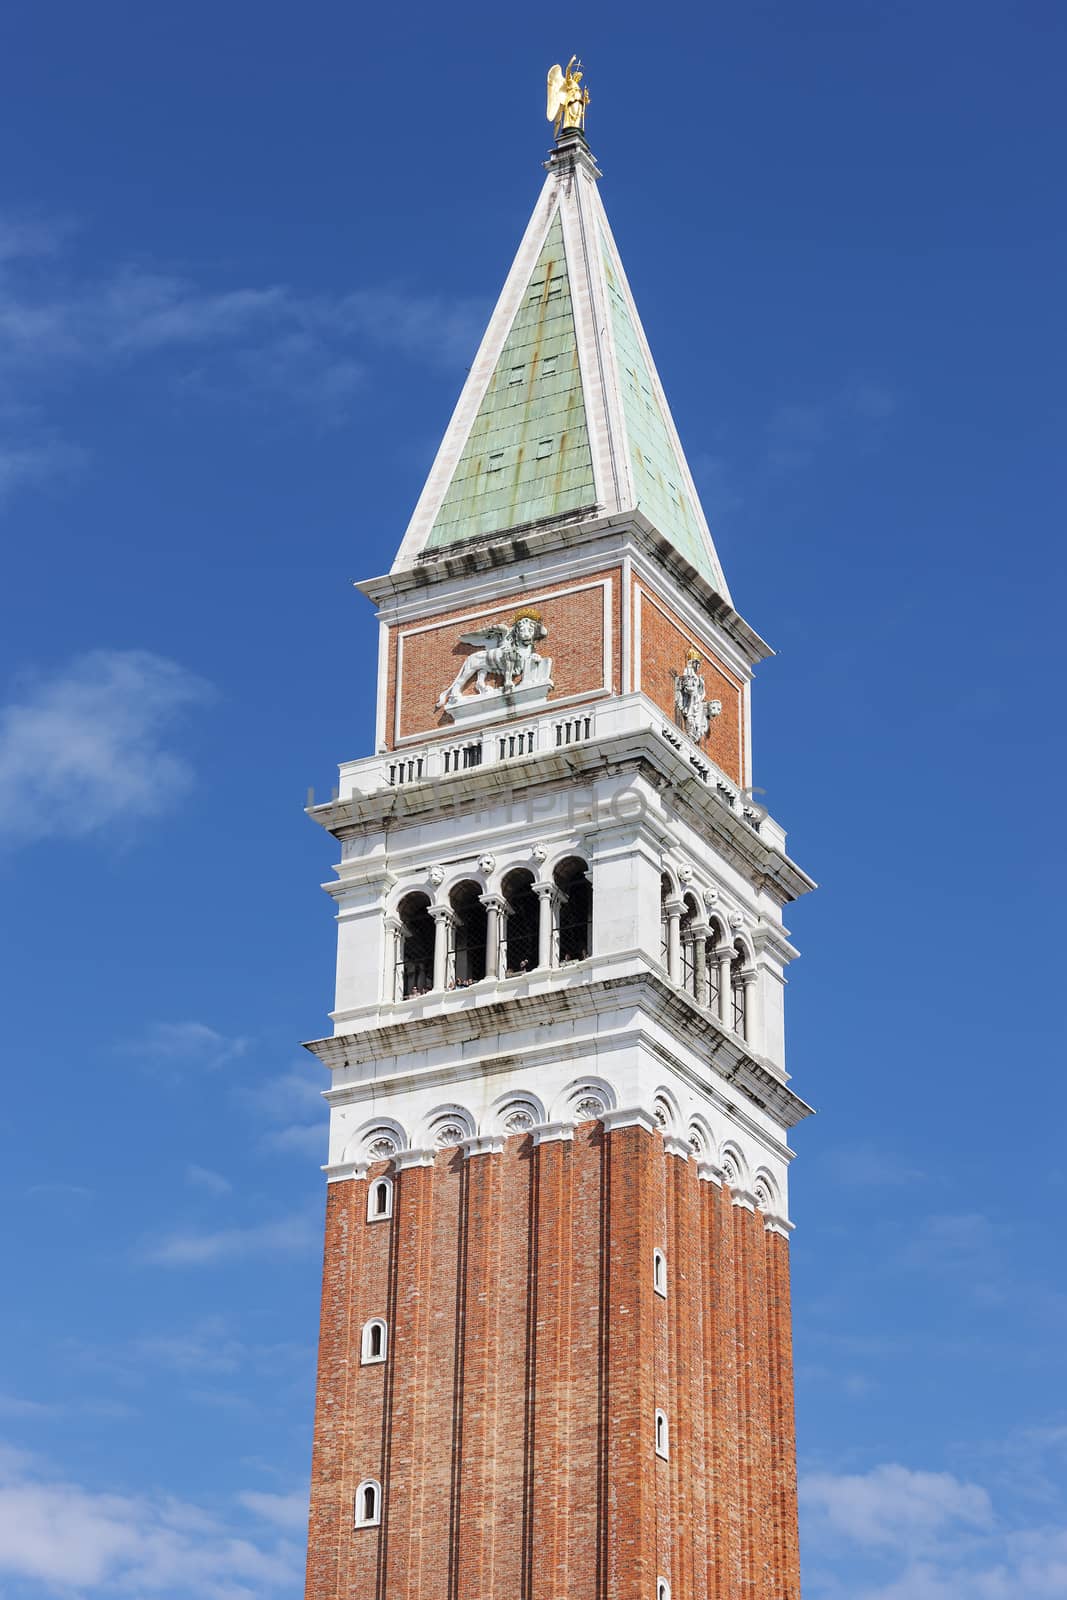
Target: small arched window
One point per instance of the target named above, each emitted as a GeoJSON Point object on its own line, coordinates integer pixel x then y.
{"type": "Point", "coordinates": [663, 1590]}
{"type": "Point", "coordinates": [659, 1273]}
{"type": "Point", "coordinates": [380, 1200]}
{"type": "Point", "coordinates": [368, 1504]}
{"type": "Point", "coordinates": [375, 1342]}
{"type": "Point", "coordinates": [662, 1443]}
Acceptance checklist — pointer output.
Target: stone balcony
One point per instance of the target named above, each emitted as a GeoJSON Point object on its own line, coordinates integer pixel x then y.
{"type": "Point", "coordinates": [443, 758]}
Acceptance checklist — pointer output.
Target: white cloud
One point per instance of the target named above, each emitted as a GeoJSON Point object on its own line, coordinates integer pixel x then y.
{"type": "Point", "coordinates": [295, 1235]}
{"type": "Point", "coordinates": [203, 1178]}
{"type": "Point", "coordinates": [249, 343]}
{"type": "Point", "coordinates": [964, 1247]}
{"type": "Point", "coordinates": [208, 1347]}
{"type": "Point", "coordinates": [67, 1537]}
{"type": "Point", "coordinates": [36, 461]}
{"type": "Point", "coordinates": [894, 1533]}
{"type": "Point", "coordinates": [86, 748]}
{"type": "Point", "coordinates": [288, 1511]}
{"type": "Point", "coordinates": [300, 1138]}
{"type": "Point", "coordinates": [853, 416]}
{"type": "Point", "coordinates": [178, 1047]}
{"type": "Point", "coordinates": [865, 1166]}
{"type": "Point", "coordinates": [13, 1405]}
{"type": "Point", "coordinates": [894, 1506]}
{"type": "Point", "coordinates": [795, 431]}
{"type": "Point", "coordinates": [291, 1104]}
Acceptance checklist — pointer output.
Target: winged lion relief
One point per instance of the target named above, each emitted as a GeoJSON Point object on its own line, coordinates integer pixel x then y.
{"type": "Point", "coordinates": [505, 665]}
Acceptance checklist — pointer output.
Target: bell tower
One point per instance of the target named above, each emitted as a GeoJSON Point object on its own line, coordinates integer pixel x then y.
{"type": "Point", "coordinates": [555, 1356]}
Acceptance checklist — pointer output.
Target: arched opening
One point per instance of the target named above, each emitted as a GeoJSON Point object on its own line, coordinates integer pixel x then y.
{"type": "Point", "coordinates": [662, 1446]}
{"type": "Point", "coordinates": [712, 953]}
{"type": "Point", "coordinates": [380, 1200]}
{"type": "Point", "coordinates": [373, 1342]}
{"type": "Point", "coordinates": [738, 992]}
{"type": "Point", "coordinates": [368, 1504]}
{"type": "Point", "coordinates": [521, 922]}
{"type": "Point", "coordinates": [692, 969]}
{"type": "Point", "coordinates": [665, 894]}
{"type": "Point", "coordinates": [414, 966]}
{"type": "Point", "coordinates": [659, 1273]}
{"type": "Point", "coordinates": [663, 1590]}
{"type": "Point", "coordinates": [468, 934]}
{"type": "Point", "coordinates": [575, 909]}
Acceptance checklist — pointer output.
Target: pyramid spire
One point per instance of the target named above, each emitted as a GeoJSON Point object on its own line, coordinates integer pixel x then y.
{"type": "Point", "coordinates": [563, 415]}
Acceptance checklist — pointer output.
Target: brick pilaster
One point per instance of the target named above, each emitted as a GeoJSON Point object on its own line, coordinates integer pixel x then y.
{"type": "Point", "coordinates": [753, 1403]}
{"type": "Point", "coordinates": [475, 1452]}
{"type": "Point", "coordinates": [783, 1451]}
{"type": "Point", "coordinates": [551, 1289]}
{"type": "Point", "coordinates": [330, 1518]}
{"type": "Point", "coordinates": [688, 1576]}
{"type": "Point", "coordinates": [633, 1154]}
{"type": "Point", "coordinates": [409, 1363]}
{"type": "Point", "coordinates": [724, 1497]}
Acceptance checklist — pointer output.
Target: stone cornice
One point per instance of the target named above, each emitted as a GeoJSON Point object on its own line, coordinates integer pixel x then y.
{"type": "Point", "coordinates": [509, 549]}
{"type": "Point", "coordinates": [404, 1159]}
{"type": "Point", "coordinates": [723, 1053]}
{"type": "Point", "coordinates": [638, 750]}
{"type": "Point", "coordinates": [629, 1117]}
{"type": "Point", "coordinates": [552, 1132]}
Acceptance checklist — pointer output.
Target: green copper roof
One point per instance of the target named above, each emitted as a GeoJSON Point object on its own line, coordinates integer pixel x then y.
{"type": "Point", "coordinates": [658, 477]}
{"type": "Point", "coordinates": [527, 455]}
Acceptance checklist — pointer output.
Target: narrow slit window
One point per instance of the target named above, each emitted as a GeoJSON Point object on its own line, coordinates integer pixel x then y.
{"type": "Point", "coordinates": [659, 1273]}
{"type": "Point", "coordinates": [368, 1504]}
{"type": "Point", "coordinates": [380, 1200]}
{"type": "Point", "coordinates": [663, 1590]}
{"type": "Point", "coordinates": [374, 1343]}
{"type": "Point", "coordinates": [662, 1442]}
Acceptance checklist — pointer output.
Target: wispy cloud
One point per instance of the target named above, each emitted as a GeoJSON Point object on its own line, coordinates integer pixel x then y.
{"type": "Point", "coordinates": [36, 461]}
{"type": "Point", "coordinates": [141, 1543]}
{"type": "Point", "coordinates": [20, 1407]}
{"type": "Point", "coordinates": [794, 433]}
{"type": "Point", "coordinates": [891, 1505]}
{"type": "Point", "coordinates": [866, 1166]}
{"type": "Point", "coordinates": [206, 1348]}
{"type": "Point", "coordinates": [897, 1533]}
{"type": "Point", "coordinates": [210, 1182]}
{"type": "Point", "coordinates": [290, 1105]}
{"type": "Point", "coordinates": [285, 1236]}
{"type": "Point", "coordinates": [288, 1511]}
{"type": "Point", "coordinates": [89, 745]}
{"type": "Point", "coordinates": [955, 1241]}
{"type": "Point", "coordinates": [174, 1049]}
{"type": "Point", "coordinates": [852, 415]}
{"type": "Point", "coordinates": [253, 343]}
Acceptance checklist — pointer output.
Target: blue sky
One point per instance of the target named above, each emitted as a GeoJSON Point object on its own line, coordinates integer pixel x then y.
{"type": "Point", "coordinates": [245, 255]}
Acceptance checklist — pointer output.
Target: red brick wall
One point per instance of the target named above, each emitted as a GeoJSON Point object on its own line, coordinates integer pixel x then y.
{"type": "Point", "coordinates": [575, 642]}
{"type": "Point", "coordinates": [664, 642]}
{"type": "Point", "coordinates": [513, 1424]}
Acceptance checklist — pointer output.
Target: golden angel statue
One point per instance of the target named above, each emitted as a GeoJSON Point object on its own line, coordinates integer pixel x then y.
{"type": "Point", "coordinates": [567, 99]}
